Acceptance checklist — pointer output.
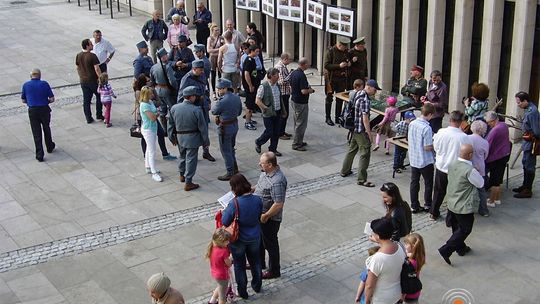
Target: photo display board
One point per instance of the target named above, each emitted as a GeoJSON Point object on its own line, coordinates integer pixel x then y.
{"type": "Point", "coordinates": [252, 5]}
{"type": "Point", "coordinates": [269, 7]}
{"type": "Point", "coordinates": [340, 21]}
{"type": "Point", "coordinates": [290, 10]}
{"type": "Point", "coordinates": [315, 14]}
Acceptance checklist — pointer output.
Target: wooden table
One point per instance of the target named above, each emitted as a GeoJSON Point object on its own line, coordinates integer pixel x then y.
{"type": "Point", "coordinates": [403, 105]}
{"type": "Point", "coordinates": [399, 141]}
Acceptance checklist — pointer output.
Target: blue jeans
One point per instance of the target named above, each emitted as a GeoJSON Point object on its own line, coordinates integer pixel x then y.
{"type": "Point", "coordinates": [240, 250]}
{"type": "Point", "coordinates": [272, 131]}
{"type": "Point", "coordinates": [399, 157]}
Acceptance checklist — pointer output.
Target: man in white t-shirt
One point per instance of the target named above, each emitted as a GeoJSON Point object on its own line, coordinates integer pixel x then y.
{"type": "Point", "coordinates": [446, 144]}
{"type": "Point", "coordinates": [103, 50]}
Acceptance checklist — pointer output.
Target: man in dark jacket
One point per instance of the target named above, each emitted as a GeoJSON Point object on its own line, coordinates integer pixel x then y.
{"type": "Point", "coordinates": [437, 95]}
{"type": "Point", "coordinates": [336, 65]}
{"type": "Point", "coordinates": [416, 85]}
{"type": "Point", "coordinates": [358, 57]}
{"type": "Point", "coordinates": [155, 30]}
{"type": "Point", "coordinates": [201, 19]}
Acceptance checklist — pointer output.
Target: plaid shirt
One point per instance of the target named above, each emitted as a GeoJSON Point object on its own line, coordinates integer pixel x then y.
{"type": "Point", "coordinates": [420, 136]}
{"type": "Point", "coordinates": [272, 187]}
{"type": "Point", "coordinates": [361, 106]}
{"type": "Point", "coordinates": [283, 81]}
{"type": "Point", "coordinates": [401, 128]}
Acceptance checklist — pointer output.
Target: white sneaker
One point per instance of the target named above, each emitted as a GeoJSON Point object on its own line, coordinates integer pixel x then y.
{"type": "Point", "coordinates": [497, 202]}
{"type": "Point", "coordinates": [149, 171]}
{"type": "Point", "coordinates": [492, 205]}
{"type": "Point", "coordinates": [156, 177]}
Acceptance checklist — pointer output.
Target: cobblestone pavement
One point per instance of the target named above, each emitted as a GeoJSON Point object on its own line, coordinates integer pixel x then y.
{"type": "Point", "coordinates": [89, 226]}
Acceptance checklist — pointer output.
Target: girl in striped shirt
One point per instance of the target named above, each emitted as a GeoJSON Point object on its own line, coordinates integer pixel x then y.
{"type": "Point", "coordinates": [106, 92]}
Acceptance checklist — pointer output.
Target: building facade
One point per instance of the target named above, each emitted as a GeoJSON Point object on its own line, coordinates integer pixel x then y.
{"type": "Point", "coordinates": [492, 41]}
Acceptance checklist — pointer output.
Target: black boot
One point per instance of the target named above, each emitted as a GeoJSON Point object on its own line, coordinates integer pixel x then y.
{"type": "Point", "coordinates": [206, 155]}
{"type": "Point", "coordinates": [235, 170]}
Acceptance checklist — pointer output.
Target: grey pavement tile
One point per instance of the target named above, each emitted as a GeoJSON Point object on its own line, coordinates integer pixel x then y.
{"type": "Point", "coordinates": [111, 274]}
{"type": "Point", "coordinates": [325, 289]}
{"type": "Point", "coordinates": [9, 298]}
{"type": "Point", "coordinates": [48, 180]}
{"type": "Point", "coordinates": [6, 242]}
{"type": "Point", "coordinates": [88, 292]}
{"type": "Point", "coordinates": [146, 270]}
{"type": "Point", "coordinates": [34, 287]}
{"type": "Point", "coordinates": [63, 273]}
{"type": "Point", "coordinates": [153, 207]}
{"type": "Point", "coordinates": [176, 253]}
{"type": "Point", "coordinates": [46, 213]}
{"type": "Point", "coordinates": [131, 291]}
{"type": "Point", "coordinates": [132, 254]}
{"type": "Point", "coordinates": [10, 209]}
{"type": "Point", "coordinates": [331, 200]}
{"type": "Point", "coordinates": [64, 230]}
{"type": "Point", "coordinates": [4, 195]}
{"type": "Point", "coordinates": [105, 198]}
{"type": "Point", "coordinates": [27, 193]}
{"type": "Point", "coordinates": [83, 180]}
{"type": "Point", "coordinates": [31, 238]}
{"type": "Point", "coordinates": [19, 225]}
{"type": "Point", "coordinates": [126, 214]}
{"type": "Point", "coordinates": [101, 168]}
{"type": "Point", "coordinates": [343, 271]}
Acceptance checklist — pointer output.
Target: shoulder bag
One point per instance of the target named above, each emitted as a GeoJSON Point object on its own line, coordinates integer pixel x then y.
{"type": "Point", "coordinates": [234, 227]}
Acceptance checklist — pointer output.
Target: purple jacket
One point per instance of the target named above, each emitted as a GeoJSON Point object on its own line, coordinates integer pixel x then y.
{"type": "Point", "coordinates": [438, 97]}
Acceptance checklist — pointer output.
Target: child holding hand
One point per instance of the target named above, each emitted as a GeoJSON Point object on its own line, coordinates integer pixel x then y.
{"type": "Point", "coordinates": [220, 261]}
{"type": "Point", "coordinates": [360, 294]}
{"type": "Point", "coordinates": [106, 93]}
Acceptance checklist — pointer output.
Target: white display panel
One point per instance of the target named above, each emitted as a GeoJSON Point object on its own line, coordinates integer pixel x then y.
{"type": "Point", "coordinates": [290, 10]}
{"type": "Point", "coordinates": [315, 14]}
{"type": "Point", "coordinates": [252, 5]}
{"type": "Point", "coordinates": [340, 21]}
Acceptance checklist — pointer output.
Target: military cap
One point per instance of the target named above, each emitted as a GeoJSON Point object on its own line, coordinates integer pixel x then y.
{"type": "Point", "coordinates": [360, 40]}
{"type": "Point", "coordinates": [417, 68]}
{"type": "Point", "coordinates": [182, 38]}
{"type": "Point", "coordinates": [161, 52]}
{"type": "Point", "coordinates": [142, 45]}
{"type": "Point", "coordinates": [223, 83]}
{"type": "Point", "coordinates": [190, 91]}
{"type": "Point", "coordinates": [343, 40]}
{"type": "Point", "coordinates": [199, 47]}
{"type": "Point", "coordinates": [197, 63]}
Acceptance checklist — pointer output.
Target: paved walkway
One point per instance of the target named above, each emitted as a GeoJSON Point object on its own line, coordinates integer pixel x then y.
{"type": "Point", "coordinates": [89, 226]}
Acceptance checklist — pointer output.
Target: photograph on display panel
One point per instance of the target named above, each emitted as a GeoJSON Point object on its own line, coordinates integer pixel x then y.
{"type": "Point", "coordinates": [339, 20]}
{"type": "Point", "coordinates": [268, 7]}
{"type": "Point", "coordinates": [252, 5]}
{"type": "Point", "coordinates": [315, 14]}
{"type": "Point", "coordinates": [290, 10]}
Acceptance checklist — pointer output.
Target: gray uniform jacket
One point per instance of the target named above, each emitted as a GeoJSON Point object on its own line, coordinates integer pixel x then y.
{"type": "Point", "coordinates": [228, 108]}
{"type": "Point", "coordinates": [187, 117]}
{"type": "Point", "coordinates": [157, 76]}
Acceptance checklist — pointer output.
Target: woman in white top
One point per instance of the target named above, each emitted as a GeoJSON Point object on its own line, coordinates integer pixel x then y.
{"type": "Point", "coordinates": [384, 267]}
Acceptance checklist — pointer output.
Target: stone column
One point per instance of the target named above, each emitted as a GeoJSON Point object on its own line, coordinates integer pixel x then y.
{"type": "Point", "coordinates": [409, 38]}
{"type": "Point", "coordinates": [461, 53]}
{"type": "Point", "coordinates": [271, 37]}
{"type": "Point", "coordinates": [227, 13]}
{"type": "Point", "coordinates": [322, 46]}
{"type": "Point", "coordinates": [305, 41]}
{"type": "Point", "coordinates": [215, 7]}
{"type": "Point", "coordinates": [385, 59]}
{"type": "Point", "coordinates": [364, 13]}
{"type": "Point", "coordinates": [435, 35]}
{"type": "Point", "coordinates": [242, 19]}
{"type": "Point", "coordinates": [191, 8]}
{"type": "Point", "coordinates": [288, 36]}
{"type": "Point", "coordinates": [166, 5]}
{"type": "Point", "coordinates": [521, 58]}
{"type": "Point", "coordinates": [490, 56]}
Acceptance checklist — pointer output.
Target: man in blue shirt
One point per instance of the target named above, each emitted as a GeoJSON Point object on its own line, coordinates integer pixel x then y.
{"type": "Point", "coordinates": [531, 131]}
{"type": "Point", "coordinates": [300, 90]}
{"type": "Point", "coordinates": [201, 19]}
{"type": "Point", "coordinates": [37, 95]}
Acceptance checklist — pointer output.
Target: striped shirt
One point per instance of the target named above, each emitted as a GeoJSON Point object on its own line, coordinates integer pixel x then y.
{"type": "Point", "coordinates": [362, 107]}
{"type": "Point", "coordinates": [106, 93]}
{"type": "Point", "coordinates": [284, 74]}
{"type": "Point", "coordinates": [272, 187]}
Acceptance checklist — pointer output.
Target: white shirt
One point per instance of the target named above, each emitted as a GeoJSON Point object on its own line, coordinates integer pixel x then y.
{"type": "Point", "coordinates": [475, 178]}
{"type": "Point", "coordinates": [103, 49]}
{"type": "Point", "coordinates": [446, 144]}
{"type": "Point", "coordinates": [387, 268]}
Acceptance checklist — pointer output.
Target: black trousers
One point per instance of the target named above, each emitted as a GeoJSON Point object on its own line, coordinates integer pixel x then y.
{"type": "Point", "coordinates": [435, 124]}
{"type": "Point", "coordinates": [427, 175]}
{"type": "Point", "coordinates": [270, 243]}
{"type": "Point", "coordinates": [88, 90]}
{"type": "Point", "coordinates": [40, 119]}
{"type": "Point", "coordinates": [202, 36]}
{"type": "Point", "coordinates": [439, 192]}
{"type": "Point", "coordinates": [285, 100]}
{"type": "Point", "coordinates": [103, 67]}
{"type": "Point", "coordinates": [338, 85]}
{"type": "Point", "coordinates": [462, 225]}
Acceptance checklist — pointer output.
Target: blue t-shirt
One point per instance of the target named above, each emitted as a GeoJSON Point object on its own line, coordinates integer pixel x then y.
{"type": "Point", "coordinates": [36, 92]}
{"type": "Point", "coordinates": [148, 124]}
{"type": "Point", "coordinates": [298, 82]}
{"type": "Point", "coordinates": [363, 278]}
{"type": "Point", "coordinates": [248, 217]}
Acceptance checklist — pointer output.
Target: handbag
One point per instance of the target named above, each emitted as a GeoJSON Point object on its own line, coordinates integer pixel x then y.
{"type": "Point", "coordinates": [135, 131]}
{"type": "Point", "coordinates": [234, 227]}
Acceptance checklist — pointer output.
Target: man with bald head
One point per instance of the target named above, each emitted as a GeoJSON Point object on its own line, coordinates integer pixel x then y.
{"type": "Point", "coordinates": [237, 36]}
{"type": "Point", "coordinates": [463, 201]}
{"type": "Point", "coordinates": [37, 95]}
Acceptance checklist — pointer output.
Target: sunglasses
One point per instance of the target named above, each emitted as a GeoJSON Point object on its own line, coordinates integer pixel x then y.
{"type": "Point", "coordinates": [388, 187]}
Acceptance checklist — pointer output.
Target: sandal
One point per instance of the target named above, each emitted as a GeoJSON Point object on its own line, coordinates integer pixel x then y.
{"type": "Point", "coordinates": [398, 170]}
{"type": "Point", "coordinates": [376, 148]}
{"type": "Point", "coordinates": [366, 184]}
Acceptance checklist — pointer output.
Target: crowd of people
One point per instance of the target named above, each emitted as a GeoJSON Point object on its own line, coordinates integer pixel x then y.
{"type": "Point", "coordinates": [177, 89]}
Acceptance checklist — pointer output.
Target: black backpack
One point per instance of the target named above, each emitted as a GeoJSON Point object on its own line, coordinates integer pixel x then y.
{"type": "Point", "coordinates": [410, 283]}
{"type": "Point", "coordinates": [346, 120]}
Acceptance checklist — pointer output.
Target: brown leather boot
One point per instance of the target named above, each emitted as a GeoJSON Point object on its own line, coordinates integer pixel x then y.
{"type": "Point", "coordinates": [525, 193]}
{"type": "Point", "coordinates": [191, 186]}
{"type": "Point", "coordinates": [182, 179]}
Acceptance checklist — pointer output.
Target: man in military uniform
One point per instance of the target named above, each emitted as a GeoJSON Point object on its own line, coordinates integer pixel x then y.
{"type": "Point", "coordinates": [162, 75]}
{"type": "Point", "coordinates": [196, 78]}
{"type": "Point", "coordinates": [336, 65]}
{"type": "Point", "coordinates": [143, 63]}
{"type": "Point", "coordinates": [181, 57]}
{"type": "Point", "coordinates": [358, 57]}
{"type": "Point", "coordinates": [188, 129]}
{"type": "Point", "coordinates": [416, 85]}
{"type": "Point", "coordinates": [200, 53]}
{"type": "Point", "coordinates": [226, 110]}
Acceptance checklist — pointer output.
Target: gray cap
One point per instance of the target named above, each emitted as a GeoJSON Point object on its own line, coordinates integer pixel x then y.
{"type": "Point", "coordinates": [199, 48]}
{"type": "Point", "coordinates": [189, 91]}
{"type": "Point", "coordinates": [197, 64]}
{"type": "Point", "coordinates": [224, 83]}
{"type": "Point", "coordinates": [142, 45]}
{"type": "Point", "coordinates": [373, 83]}
{"type": "Point", "coordinates": [161, 52]}
{"type": "Point", "coordinates": [182, 38]}
{"type": "Point", "coordinates": [343, 40]}
{"type": "Point", "coordinates": [360, 40]}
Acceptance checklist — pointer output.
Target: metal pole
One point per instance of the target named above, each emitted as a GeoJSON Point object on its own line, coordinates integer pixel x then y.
{"type": "Point", "coordinates": [276, 37]}
{"type": "Point", "coordinates": [100, 7]}
{"type": "Point", "coordinates": [89, 5]}
{"type": "Point", "coordinates": [111, 9]}
{"type": "Point", "coordinates": [324, 49]}
{"type": "Point", "coordinates": [130, 13]}
{"type": "Point", "coordinates": [79, 2]}
{"type": "Point", "coordinates": [118, 5]}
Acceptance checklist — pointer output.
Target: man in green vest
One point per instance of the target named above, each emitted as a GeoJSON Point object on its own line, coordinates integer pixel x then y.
{"type": "Point", "coordinates": [463, 200]}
